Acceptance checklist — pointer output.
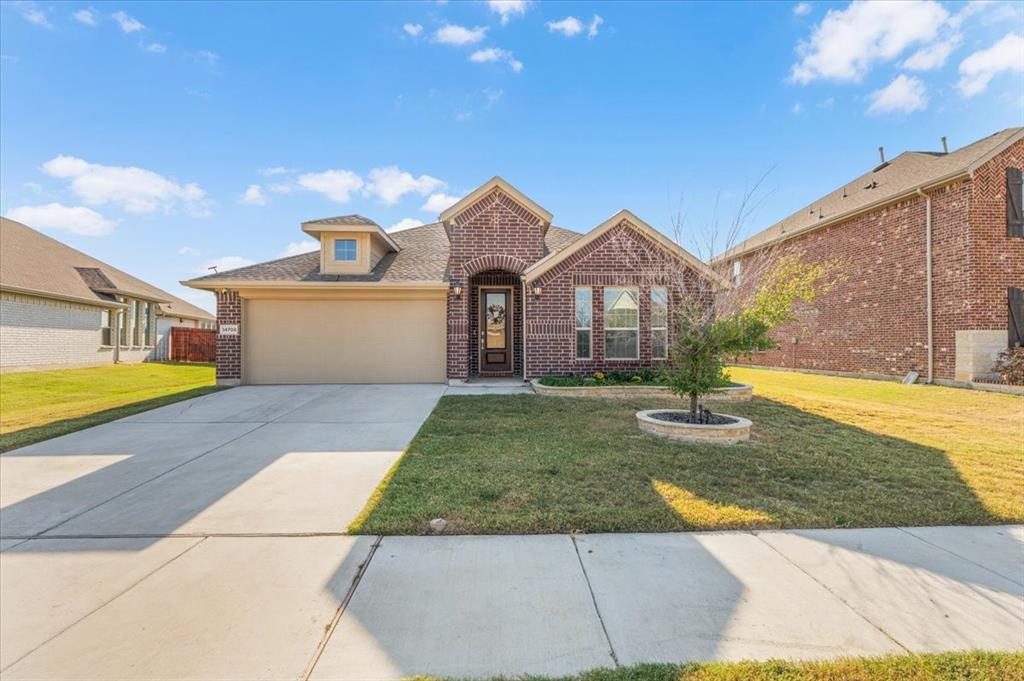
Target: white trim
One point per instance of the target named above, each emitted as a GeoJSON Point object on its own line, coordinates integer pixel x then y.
{"type": "Point", "coordinates": [220, 284]}
{"type": "Point", "coordinates": [549, 262]}
{"type": "Point", "coordinates": [480, 192]}
{"type": "Point", "coordinates": [57, 296]}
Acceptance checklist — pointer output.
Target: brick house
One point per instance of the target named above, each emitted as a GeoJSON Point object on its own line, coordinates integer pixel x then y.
{"type": "Point", "coordinates": [931, 249]}
{"type": "Point", "coordinates": [62, 308]}
{"type": "Point", "coordinates": [491, 289]}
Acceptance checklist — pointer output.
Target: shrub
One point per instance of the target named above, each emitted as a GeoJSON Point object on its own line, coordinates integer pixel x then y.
{"type": "Point", "coordinates": [1010, 365]}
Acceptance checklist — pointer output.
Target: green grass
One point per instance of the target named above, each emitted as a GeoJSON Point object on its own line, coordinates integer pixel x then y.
{"type": "Point", "coordinates": [825, 452]}
{"type": "Point", "coordinates": [971, 666]}
{"type": "Point", "coordinates": [38, 405]}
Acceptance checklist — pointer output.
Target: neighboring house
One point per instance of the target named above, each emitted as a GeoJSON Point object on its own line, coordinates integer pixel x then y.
{"type": "Point", "coordinates": [60, 307]}
{"type": "Point", "coordinates": [492, 289]}
{"type": "Point", "coordinates": [931, 249]}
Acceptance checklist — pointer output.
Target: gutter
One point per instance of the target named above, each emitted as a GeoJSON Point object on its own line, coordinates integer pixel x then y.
{"type": "Point", "coordinates": [217, 284]}
{"type": "Point", "coordinates": [57, 296]}
{"type": "Point", "coordinates": [928, 279]}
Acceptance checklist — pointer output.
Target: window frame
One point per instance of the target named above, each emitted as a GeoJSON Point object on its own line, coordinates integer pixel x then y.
{"type": "Point", "coordinates": [1014, 203]}
{"type": "Point", "coordinates": [577, 328]}
{"type": "Point", "coordinates": [606, 328]}
{"type": "Point", "coordinates": [662, 327]}
{"type": "Point", "coordinates": [355, 249]}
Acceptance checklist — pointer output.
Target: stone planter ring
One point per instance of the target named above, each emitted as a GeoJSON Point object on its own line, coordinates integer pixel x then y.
{"type": "Point", "coordinates": [737, 430]}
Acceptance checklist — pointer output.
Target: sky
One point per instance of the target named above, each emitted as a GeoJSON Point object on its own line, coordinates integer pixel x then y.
{"type": "Point", "coordinates": [166, 138]}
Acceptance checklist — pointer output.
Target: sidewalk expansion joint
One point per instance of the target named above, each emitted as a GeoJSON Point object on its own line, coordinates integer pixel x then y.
{"type": "Point", "coordinates": [593, 599]}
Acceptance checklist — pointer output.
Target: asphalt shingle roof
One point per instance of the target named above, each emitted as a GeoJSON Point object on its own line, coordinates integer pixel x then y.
{"type": "Point", "coordinates": [423, 257]}
{"type": "Point", "coordinates": [343, 220]}
{"type": "Point", "coordinates": [902, 174]}
{"type": "Point", "coordinates": [32, 261]}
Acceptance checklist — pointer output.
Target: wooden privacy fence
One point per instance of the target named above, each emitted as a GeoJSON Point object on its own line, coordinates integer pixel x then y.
{"type": "Point", "coordinates": [193, 345]}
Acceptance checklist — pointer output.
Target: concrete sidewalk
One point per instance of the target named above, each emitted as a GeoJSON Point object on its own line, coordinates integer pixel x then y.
{"type": "Point", "coordinates": [332, 607]}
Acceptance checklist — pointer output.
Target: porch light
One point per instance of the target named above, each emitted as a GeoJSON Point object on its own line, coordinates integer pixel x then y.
{"type": "Point", "coordinates": [537, 290]}
{"type": "Point", "coordinates": [457, 290]}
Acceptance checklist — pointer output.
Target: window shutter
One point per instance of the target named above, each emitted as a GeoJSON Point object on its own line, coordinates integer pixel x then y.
{"type": "Point", "coordinates": [1014, 212]}
{"type": "Point", "coordinates": [1015, 315]}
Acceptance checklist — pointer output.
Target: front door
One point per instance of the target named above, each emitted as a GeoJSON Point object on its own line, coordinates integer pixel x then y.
{"type": "Point", "coordinates": [495, 330]}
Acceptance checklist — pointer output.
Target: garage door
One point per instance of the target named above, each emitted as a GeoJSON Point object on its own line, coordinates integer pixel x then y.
{"type": "Point", "coordinates": [344, 341]}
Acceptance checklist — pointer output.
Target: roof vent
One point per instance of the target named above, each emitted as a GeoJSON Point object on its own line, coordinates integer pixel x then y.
{"type": "Point", "coordinates": [881, 154]}
{"type": "Point", "coordinates": [945, 147]}
{"type": "Point", "coordinates": [873, 185]}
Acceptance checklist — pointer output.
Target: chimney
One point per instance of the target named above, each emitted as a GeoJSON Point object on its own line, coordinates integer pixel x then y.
{"type": "Point", "coordinates": [945, 148]}
{"type": "Point", "coordinates": [881, 153]}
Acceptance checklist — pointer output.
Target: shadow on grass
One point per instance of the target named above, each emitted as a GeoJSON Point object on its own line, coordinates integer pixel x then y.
{"type": "Point", "coordinates": [31, 435]}
{"type": "Point", "coordinates": [531, 464]}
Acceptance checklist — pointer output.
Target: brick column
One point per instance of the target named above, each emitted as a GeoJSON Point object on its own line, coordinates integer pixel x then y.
{"type": "Point", "coordinates": [458, 332]}
{"type": "Point", "coordinates": [229, 348]}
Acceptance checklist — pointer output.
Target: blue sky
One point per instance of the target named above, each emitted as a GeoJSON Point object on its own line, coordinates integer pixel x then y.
{"type": "Point", "coordinates": [163, 138]}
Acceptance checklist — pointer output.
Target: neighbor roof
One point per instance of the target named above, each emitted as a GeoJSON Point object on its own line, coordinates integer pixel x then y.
{"type": "Point", "coordinates": [423, 258]}
{"type": "Point", "coordinates": [900, 177]}
{"type": "Point", "coordinates": [33, 263]}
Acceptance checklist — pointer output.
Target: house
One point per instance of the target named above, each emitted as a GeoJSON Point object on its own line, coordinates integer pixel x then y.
{"type": "Point", "coordinates": [60, 307]}
{"type": "Point", "coordinates": [930, 246]}
{"type": "Point", "coordinates": [490, 289]}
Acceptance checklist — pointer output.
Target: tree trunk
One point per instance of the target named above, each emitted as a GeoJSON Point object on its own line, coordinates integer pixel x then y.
{"type": "Point", "coordinates": [693, 407]}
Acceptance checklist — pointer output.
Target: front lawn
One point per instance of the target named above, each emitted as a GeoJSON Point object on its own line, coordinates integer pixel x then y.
{"type": "Point", "coordinates": [825, 452]}
{"type": "Point", "coordinates": [38, 405]}
{"type": "Point", "coordinates": [972, 666]}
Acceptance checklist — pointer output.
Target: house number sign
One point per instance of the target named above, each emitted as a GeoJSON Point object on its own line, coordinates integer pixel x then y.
{"type": "Point", "coordinates": [229, 329]}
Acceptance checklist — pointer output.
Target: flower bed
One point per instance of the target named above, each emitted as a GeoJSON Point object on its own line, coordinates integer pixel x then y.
{"type": "Point", "coordinates": [613, 385]}
{"type": "Point", "coordinates": [674, 425]}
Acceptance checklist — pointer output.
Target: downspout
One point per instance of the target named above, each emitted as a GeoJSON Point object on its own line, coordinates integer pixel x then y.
{"type": "Point", "coordinates": [928, 278]}
{"type": "Point", "coordinates": [116, 314]}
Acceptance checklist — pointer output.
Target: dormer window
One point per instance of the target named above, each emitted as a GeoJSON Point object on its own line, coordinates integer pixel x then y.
{"type": "Point", "coordinates": [345, 250]}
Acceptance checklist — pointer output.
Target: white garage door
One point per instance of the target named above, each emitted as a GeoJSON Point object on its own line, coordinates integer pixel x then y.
{"type": "Point", "coordinates": [344, 341]}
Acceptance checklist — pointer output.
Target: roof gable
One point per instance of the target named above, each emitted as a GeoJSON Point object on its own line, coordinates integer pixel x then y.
{"type": "Point", "coordinates": [496, 184]}
{"type": "Point", "coordinates": [548, 263]}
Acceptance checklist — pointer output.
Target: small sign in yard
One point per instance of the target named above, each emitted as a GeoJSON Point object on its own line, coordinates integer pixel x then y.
{"type": "Point", "coordinates": [229, 329]}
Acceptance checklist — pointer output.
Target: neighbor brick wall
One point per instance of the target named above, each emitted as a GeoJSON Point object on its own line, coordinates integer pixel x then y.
{"type": "Point", "coordinates": [40, 332]}
{"type": "Point", "coordinates": [620, 257]}
{"type": "Point", "coordinates": [229, 348]}
{"type": "Point", "coordinates": [875, 321]}
{"type": "Point", "coordinates": [495, 233]}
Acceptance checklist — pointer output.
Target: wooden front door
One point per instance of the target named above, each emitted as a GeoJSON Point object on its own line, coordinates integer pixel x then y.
{"type": "Point", "coordinates": [495, 330]}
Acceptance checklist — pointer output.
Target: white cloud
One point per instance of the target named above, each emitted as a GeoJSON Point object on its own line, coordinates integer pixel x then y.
{"type": "Point", "coordinates": [33, 14]}
{"type": "Point", "coordinates": [404, 223]}
{"type": "Point", "coordinates": [453, 34]}
{"type": "Point", "coordinates": [337, 185]}
{"type": "Point", "coordinates": [156, 48]}
{"type": "Point", "coordinates": [280, 188]}
{"type": "Point", "coordinates": [71, 219]}
{"type": "Point", "coordinates": [299, 247]}
{"type": "Point", "coordinates": [225, 263]}
{"type": "Point", "coordinates": [85, 16]}
{"type": "Point", "coordinates": [254, 196]}
{"type": "Point", "coordinates": [979, 68]}
{"type": "Point", "coordinates": [595, 23]}
{"type": "Point", "coordinates": [413, 29]}
{"type": "Point", "coordinates": [135, 189]}
{"type": "Point", "coordinates": [437, 203]}
{"type": "Point", "coordinates": [932, 56]}
{"type": "Point", "coordinates": [801, 9]}
{"type": "Point", "coordinates": [128, 24]}
{"type": "Point", "coordinates": [34, 186]}
{"type": "Point", "coordinates": [276, 170]}
{"type": "Point", "coordinates": [848, 42]}
{"type": "Point", "coordinates": [569, 26]}
{"type": "Point", "coordinates": [189, 251]}
{"type": "Point", "coordinates": [798, 108]}
{"type": "Point", "coordinates": [392, 183]}
{"type": "Point", "coordinates": [496, 54]}
{"type": "Point", "coordinates": [206, 57]}
{"type": "Point", "coordinates": [508, 8]}
{"type": "Point", "coordinates": [903, 95]}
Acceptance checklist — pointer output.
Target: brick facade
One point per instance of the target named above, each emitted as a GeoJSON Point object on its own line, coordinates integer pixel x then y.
{"type": "Point", "coordinates": [42, 332]}
{"type": "Point", "coordinates": [229, 348]}
{"type": "Point", "coordinates": [875, 321]}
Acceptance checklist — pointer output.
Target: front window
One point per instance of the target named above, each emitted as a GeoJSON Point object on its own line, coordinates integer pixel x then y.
{"type": "Point", "coordinates": [133, 308]}
{"type": "Point", "coordinates": [1014, 202]}
{"type": "Point", "coordinates": [621, 323]}
{"type": "Point", "coordinates": [584, 321]}
{"type": "Point", "coordinates": [737, 273]}
{"type": "Point", "coordinates": [345, 250]}
{"type": "Point", "coordinates": [659, 323]}
{"type": "Point", "coordinates": [145, 312]}
{"type": "Point", "coordinates": [105, 330]}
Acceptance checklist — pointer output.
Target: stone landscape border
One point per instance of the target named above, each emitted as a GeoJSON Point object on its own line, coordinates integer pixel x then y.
{"type": "Point", "coordinates": [741, 392]}
{"type": "Point", "coordinates": [706, 433]}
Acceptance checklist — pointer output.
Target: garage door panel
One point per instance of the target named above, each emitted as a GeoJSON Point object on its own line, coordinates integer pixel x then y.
{"type": "Point", "coordinates": [344, 341]}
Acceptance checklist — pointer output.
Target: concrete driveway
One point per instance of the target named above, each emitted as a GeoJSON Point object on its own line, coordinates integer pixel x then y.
{"type": "Point", "coordinates": [205, 526]}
